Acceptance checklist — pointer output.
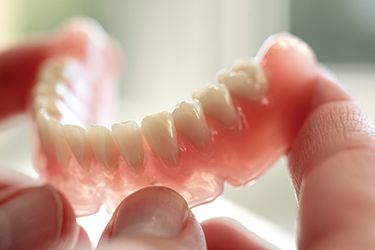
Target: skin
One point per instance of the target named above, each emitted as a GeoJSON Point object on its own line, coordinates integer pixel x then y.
{"type": "Point", "coordinates": [331, 162]}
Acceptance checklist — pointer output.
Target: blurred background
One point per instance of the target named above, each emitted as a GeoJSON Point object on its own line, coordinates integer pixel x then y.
{"type": "Point", "coordinates": [171, 47]}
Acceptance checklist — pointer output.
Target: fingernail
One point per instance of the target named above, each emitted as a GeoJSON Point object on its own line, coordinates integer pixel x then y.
{"type": "Point", "coordinates": [153, 211]}
{"type": "Point", "coordinates": [32, 217]}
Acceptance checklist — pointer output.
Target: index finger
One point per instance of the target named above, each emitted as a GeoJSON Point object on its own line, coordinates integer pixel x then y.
{"type": "Point", "coordinates": [332, 163]}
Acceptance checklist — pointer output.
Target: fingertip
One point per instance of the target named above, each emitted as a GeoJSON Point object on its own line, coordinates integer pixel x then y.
{"type": "Point", "coordinates": [36, 218]}
{"type": "Point", "coordinates": [154, 216]}
{"type": "Point", "coordinates": [334, 123]}
{"type": "Point", "coordinates": [327, 89]}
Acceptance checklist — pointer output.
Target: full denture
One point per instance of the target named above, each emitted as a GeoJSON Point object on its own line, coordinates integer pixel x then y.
{"type": "Point", "coordinates": [231, 130]}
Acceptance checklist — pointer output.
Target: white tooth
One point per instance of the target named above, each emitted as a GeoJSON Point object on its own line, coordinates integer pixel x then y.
{"type": "Point", "coordinates": [47, 88]}
{"type": "Point", "coordinates": [216, 102]}
{"type": "Point", "coordinates": [76, 138]}
{"type": "Point", "coordinates": [69, 117]}
{"type": "Point", "coordinates": [129, 140]}
{"type": "Point", "coordinates": [222, 75]}
{"type": "Point", "coordinates": [246, 79]}
{"type": "Point", "coordinates": [58, 142]}
{"type": "Point", "coordinates": [103, 146]}
{"type": "Point", "coordinates": [160, 133]}
{"type": "Point", "coordinates": [47, 103]}
{"type": "Point", "coordinates": [190, 121]}
{"type": "Point", "coordinates": [59, 68]}
{"type": "Point", "coordinates": [42, 119]}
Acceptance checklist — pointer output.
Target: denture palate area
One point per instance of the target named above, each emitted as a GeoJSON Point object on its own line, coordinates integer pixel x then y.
{"type": "Point", "coordinates": [231, 130]}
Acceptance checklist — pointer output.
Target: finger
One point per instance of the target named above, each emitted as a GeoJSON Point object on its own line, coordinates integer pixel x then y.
{"type": "Point", "coordinates": [225, 233]}
{"type": "Point", "coordinates": [18, 67]}
{"type": "Point", "coordinates": [332, 163]}
{"type": "Point", "coordinates": [36, 218]}
{"type": "Point", "coordinates": [83, 242]}
{"type": "Point", "coordinates": [153, 218]}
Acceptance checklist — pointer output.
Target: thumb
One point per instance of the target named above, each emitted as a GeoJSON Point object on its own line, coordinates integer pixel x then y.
{"type": "Point", "coordinates": [153, 218]}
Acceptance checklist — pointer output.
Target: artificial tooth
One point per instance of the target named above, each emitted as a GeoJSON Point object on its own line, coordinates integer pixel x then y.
{"type": "Point", "coordinates": [48, 103]}
{"type": "Point", "coordinates": [160, 133]}
{"type": "Point", "coordinates": [42, 119]}
{"type": "Point", "coordinates": [76, 138]}
{"type": "Point", "coordinates": [129, 140]}
{"type": "Point", "coordinates": [216, 102]}
{"type": "Point", "coordinates": [103, 146]}
{"type": "Point", "coordinates": [58, 142]}
{"type": "Point", "coordinates": [58, 89]}
{"type": "Point", "coordinates": [222, 75]}
{"type": "Point", "coordinates": [189, 120]}
{"type": "Point", "coordinates": [245, 79]}
{"type": "Point", "coordinates": [59, 68]}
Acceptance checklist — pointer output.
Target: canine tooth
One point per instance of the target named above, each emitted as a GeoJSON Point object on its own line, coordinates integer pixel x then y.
{"type": "Point", "coordinates": [47, 103]}
{"type": "Point", "coordinates": [160, 133]}
{"type": "Point", "coordinates": [59, 68]}
{"type": "Point", "coordinates": [76, 138]}
{"type": "Point", "coordinates": [246, 79]}
{"type": "Point", "coordinates": [58, 142]}
{"type": "Point", "coordinates": [103, 146]}
{"type": "Point", "coordinates": [190, 121]}
{"type": "Point", "coordinates": [129, 140]}
{"type": "Point", "coordinates": [216, 102]}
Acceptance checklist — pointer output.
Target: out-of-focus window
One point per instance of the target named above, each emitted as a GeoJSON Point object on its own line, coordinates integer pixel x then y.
{"type": "Point", "coordinates": [338, 30]}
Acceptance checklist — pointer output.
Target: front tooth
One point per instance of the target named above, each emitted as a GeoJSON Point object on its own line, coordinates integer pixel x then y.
{"type": "Point", "coordinates": [216, 102]}
{"type": "Point", "coordinates": [129, 140]}
{"type": "Point", "coordinates": [58, 142]}
{"type": "Point", "coordinates": [245, 79]}
{"type": "Point", "coordinates": [190, 121]}
{"type": "Point", "coordinates": [76, 138]}
{"type": "Point", "coordinates": [160, 133]}
{"type": "Point", "coordinates": [59, 68]}
{"type": "Point", "coordinates": [103, 146]}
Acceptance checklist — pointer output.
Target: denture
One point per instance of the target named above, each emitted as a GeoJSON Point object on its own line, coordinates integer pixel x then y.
{"type": "Point", "coordinates": [230, 131]}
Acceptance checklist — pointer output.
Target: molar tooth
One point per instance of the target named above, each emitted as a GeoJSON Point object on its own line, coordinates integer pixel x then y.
{"type": "Point", "coordinates": [58, 143]}
{"type": "Point", "coordinates": [103, 146]}
{"type": "Point", "coordinates": [190, 121]}
{"type": "Point", "coordinates": [216, 102]}
{"type": "Point", "coordinates": [129, 140]}
{"type": "Point", "coordinates": [160, 133]}
{"type": "Point", "coordinates": [59, 68]}
{"type": "Point", "coordinates": [48, 103]}
{"type": "Point", "coordinates": [45, 88]}
{"type": "Point", "coordinates": [76, 138]}
{"type": "Point", "coordinates": [246, 79]}
{"type": "Point", "coordinates": [42, 119]}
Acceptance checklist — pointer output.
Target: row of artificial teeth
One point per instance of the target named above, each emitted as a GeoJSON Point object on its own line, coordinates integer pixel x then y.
{"type": "Point", "coordinates": [52, 92]}
{"type": "Point", "coordinates": [244, 79]}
